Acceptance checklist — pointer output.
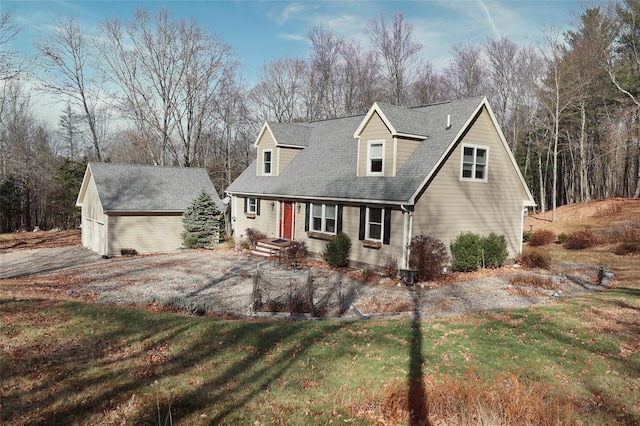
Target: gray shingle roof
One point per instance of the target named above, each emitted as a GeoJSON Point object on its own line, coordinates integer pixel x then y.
{"type": "Point", "coordinates": [291, 134]}
{"type": "Point", "coordinates": [326, 168]}
{"type": "Point", "coordinates": [133, 187]}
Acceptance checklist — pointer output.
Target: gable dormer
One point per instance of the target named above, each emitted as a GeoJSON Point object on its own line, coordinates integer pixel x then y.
{"type": "Point", "coordinates": [387, 136]}
{"type": "Point", "coordinates": [277, 145]}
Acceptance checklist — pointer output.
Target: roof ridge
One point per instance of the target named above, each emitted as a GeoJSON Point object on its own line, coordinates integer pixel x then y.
{"type": "Point", "coordinates": [450, 101]}
{"type": "Point", "coordinates": [138, 165]}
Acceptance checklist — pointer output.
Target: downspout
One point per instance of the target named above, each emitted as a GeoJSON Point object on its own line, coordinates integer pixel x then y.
{"type": "Point", "coordinates": [406, 252]}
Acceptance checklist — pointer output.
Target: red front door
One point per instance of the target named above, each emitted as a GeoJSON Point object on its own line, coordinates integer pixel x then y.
{"type": "Point", "coordinates": [287, 224]}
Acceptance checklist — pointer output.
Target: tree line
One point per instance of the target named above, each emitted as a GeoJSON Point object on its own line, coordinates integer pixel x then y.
{"type": "Point", "coordinates": [162, 90]}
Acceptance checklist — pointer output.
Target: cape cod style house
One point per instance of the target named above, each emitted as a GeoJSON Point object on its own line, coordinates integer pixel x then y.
{"type": "Point", "coordinates": [384, 177]}
{"type": "Point", "coordinates": [131, 206]}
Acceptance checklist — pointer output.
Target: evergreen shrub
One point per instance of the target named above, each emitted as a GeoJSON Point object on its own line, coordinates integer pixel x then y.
{"type": "Point", "coordinates": [203, 222]}
{"type": "Point", "coordinates": [466, 252]}
{"type": "Point", "coordinates": [337, 251]}
{"type": "Point", "coordinates": [495, 251]}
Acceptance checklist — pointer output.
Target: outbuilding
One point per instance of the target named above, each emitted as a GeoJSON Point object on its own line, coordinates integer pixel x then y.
{"type": "Point", "coordinates": [139, 207]}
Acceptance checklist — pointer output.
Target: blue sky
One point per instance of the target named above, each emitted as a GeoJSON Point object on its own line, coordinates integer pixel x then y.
{"type": "Point", "coordinates": [260, 31]}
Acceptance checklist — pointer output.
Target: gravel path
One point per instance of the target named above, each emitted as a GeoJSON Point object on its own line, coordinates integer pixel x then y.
{"type": "Point", "coordinates": [223, 281]}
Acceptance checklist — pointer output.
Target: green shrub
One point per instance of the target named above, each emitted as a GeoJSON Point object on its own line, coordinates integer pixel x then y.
{"type": "Point", "coordinates": [336, 252]}
{"type": "Point", "coordinates": [526, 236]}
{"type": "Point", "coordinates": [495, 251]}
{"type": "Point", "coordinates": [562, 238]}
{"type": "Point", "coordinates": [190, 241]}
{"type": "Point", "coordinates": [428, 256]}
{"type": "Point", "coordinates": [535, 258]}
{"type": "Point", "coordinates": [466, 252]}
{"type": "Point", "coordinates": [542, 237]}
{"type": "Point", "coordinates": [581, 240]}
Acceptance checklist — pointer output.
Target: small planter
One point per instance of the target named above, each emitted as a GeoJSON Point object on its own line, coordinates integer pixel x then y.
{"type": "Point", "coordinates": [372, 244]}
{"type": "Point", "coordinates": [320, 236]}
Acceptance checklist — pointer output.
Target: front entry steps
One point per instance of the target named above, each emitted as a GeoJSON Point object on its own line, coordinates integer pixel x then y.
{"type": "Point", "coordinates": [266, 248]}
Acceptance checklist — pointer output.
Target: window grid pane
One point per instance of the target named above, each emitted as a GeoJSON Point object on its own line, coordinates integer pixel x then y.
{"type": "Point", "coordinates": [323, 218]}
{"type": "Point", "coordinates": [474, 163]}
{"type": "Point", "coordinates": [267, 162]}
{"type": "Point", "coordinates": [374, 223]}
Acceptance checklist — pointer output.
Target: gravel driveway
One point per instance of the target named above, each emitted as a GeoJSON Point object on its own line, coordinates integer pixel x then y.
{"type": "Point", "coordinates": [223, 281]}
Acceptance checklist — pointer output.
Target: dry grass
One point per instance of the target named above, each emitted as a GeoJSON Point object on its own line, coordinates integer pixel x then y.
{"type": "Point", "coordinates": [537, 281]}
{"type": "Point", "coordinates": [503, 400]}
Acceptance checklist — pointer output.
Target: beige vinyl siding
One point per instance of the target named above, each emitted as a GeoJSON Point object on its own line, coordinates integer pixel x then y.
{"type": "Point", "coordinates": [145, 233]}
{"type": "Point", "coordinates": [266, 221]}
{"type": "Point", "coordinates": [404, 150]}
{"type": "Point", "coordinates": [93, 219]}
{"type": "Point", "coordinates": [285, 156]}
{"type": "Point", "coordinates": [351, 226]}
{"type": "Point", "coordinates": [450, 205]}
{"type": "Point", "coordinates": [375, 130]}
{"type": "Point", "coordinates": [267, 143]}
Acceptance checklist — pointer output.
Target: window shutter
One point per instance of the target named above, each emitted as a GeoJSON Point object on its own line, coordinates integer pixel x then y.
{"type": "Point", "coordinates": [363, 220]}
{"type": "Point", "coordinates": [339, 219]}
{"type": "Point", "coordinates": [387, 226]}
{"type": "Point", "coordinates": [246, 201]}
{"type": "Point", "coordinates": [307, 212]}
{"type": "Point", "coordinates": [258, 206]}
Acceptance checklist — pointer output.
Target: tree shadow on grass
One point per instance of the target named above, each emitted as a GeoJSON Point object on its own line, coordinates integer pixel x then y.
{"type": "Point", "coordinates": [126, 354]}
{"type": "Point", "coordinates": [418, 404]}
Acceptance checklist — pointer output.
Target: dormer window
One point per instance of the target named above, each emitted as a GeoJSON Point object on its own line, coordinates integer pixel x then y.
{"type": "Point", "coordinates": [375, 158]}
{"type": "Point", "coordinates": [266, 162]}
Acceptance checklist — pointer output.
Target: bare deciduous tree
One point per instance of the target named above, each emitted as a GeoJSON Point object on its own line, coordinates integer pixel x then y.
{"type": "Point", "coordinates": [168, 72]}
{"type": "Point", "coordinates": [66, 57]}
{"type": "Point", "coordinates": [279, 92]}
{"type": "Point", "coordinates": [398, 52]}
{"type": "Point", "coordinates": [9, 66]}
{"type": "Point", "coordinates": [466, 73]}
{"type": "Point", "coordinates": [324, 74]}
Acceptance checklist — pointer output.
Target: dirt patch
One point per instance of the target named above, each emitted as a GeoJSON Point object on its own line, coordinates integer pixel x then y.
{"type": "Point", "coordinates": [610, 209]}
{"type": "Point", "coordinates": [40, 239]}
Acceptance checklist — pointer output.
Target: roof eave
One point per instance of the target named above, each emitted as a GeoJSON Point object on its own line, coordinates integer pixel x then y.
{"type": "Point", "coordinates": [319, 198]}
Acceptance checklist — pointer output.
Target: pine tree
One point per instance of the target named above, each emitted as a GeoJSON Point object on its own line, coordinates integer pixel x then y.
{"type": "Point", "coordinates": [203, 222]}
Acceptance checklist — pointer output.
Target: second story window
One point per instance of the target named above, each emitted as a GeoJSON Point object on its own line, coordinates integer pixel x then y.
{"type": "Point", "coordinates": [266, 162]}
{"type": "Point", "coordinates": [375, 160]}
{"type": "Point", "coordinates": [474, 163]}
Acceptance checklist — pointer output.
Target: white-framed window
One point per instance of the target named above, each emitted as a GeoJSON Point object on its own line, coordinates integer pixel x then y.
{"type": "Point", "coordinates": [324, 218]}
{"type": "Point", "coordinates": [375, 158]}
{"type": "Point", "coordinates": [475, 162]}
{"type": "Point", "coordinates": [252, 205]}
{"type": "Point", "coordinates": [267, 157]}
{"type": "Point", "coordinates": [374, 227]}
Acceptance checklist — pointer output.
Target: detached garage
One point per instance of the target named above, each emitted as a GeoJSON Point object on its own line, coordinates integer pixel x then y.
{"type": "Point", "coordinates": [138, 207]}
